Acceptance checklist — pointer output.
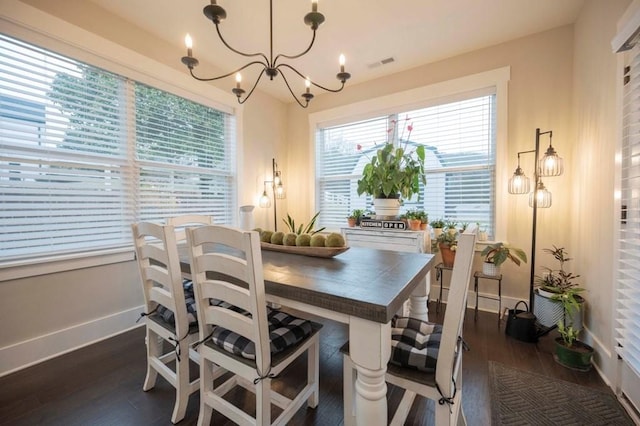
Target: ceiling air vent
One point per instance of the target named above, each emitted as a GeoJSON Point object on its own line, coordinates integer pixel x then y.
{"type": "Point", "coordinates": [384, 61]}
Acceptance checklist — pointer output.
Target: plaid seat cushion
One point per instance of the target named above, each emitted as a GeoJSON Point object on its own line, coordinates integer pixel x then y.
{"type": "Point", "coordinates": [284, 331]}
{"type": "Point", "coordinates": [415, 343]}
{"type": "Point", "coordinates": [190, 301]}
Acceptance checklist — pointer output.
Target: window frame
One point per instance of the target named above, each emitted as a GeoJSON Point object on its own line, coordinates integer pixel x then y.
{"type": "Point", "coordinates": [421, 97]}
{"type": "Point", "coordinates": [74, 42]}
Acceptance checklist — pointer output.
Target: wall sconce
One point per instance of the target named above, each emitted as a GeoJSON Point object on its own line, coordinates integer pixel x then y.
{"type": "Point", "coordinates": [278, 190]}
{"type": "Point", "coordinates": [550, 165]}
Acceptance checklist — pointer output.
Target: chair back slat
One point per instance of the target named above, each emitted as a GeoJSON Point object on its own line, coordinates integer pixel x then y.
{"type": "Point", "coordinates": [180, 223]}
{"type": "Point", "coordinates": [454, 314]}
{"type": "Point", "coordinates": [242, 260]}
{"type": "Point", "coordinates": [159, 265]}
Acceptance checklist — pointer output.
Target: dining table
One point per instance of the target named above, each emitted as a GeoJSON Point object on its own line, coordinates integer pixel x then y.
{"type": "Point", "coordinates": [363, 288]}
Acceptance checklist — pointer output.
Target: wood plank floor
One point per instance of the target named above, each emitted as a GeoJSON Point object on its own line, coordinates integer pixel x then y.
{"type": "Point", "coordinates": [102, 384]}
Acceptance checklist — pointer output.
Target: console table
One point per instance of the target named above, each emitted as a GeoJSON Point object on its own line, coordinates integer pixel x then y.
{"type": "Point", "coordinates": [402, 241]}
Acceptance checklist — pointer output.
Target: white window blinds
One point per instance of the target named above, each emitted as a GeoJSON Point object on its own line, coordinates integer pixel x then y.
{"type": "Point", "coordinates": [628, 281]}
{"type": "Point", "coordinates": [460, 141]}
{"type": "Point", "coordinates": [84, 153]}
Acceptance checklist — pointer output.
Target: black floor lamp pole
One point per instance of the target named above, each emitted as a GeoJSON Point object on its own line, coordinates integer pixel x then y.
{"type": "Point", "coordinates": [535, 216]}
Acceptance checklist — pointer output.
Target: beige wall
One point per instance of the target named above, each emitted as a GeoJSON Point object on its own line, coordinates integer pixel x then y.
{"type": "Point", "coordinates": [592, 214]}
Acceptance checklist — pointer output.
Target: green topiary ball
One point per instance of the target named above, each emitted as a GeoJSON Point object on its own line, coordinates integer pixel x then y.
{"type": "Point", "coordinates": [334, 239]}
{"type": "Point", "coordinates": [317, 240]}
{"type": "Point", "coordinates": [265, 236]}
{"type": "Point", "coordinates": [290, 239]}
{"type": "Point", "coordinates": [303, 240]}
{"type": "Point", "coordinates": [277, 238]}
{"type": "Point", "coordinates": [258, 230]}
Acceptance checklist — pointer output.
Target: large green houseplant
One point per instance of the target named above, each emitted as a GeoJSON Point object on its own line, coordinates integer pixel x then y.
{"type": "Point", "coordinates": [393, 173]}
{"type": "Point", "coordinates": [570, 351]}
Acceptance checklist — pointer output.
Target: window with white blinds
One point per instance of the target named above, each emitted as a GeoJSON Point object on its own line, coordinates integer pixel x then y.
{"type": "Point", "coordinates": [460, 142]}
{"type": "Point", "coordinates": [628, 279]}
{"type": "Point", "coordinates": [84, 153]}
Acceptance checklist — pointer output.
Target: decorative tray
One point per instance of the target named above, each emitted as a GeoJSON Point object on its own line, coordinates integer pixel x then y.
{"type": "Point", "coordinates": [306, 251]}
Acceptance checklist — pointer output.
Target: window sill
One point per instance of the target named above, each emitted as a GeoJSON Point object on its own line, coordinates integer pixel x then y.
{"type": "Point", "coordinates": [26, 268]}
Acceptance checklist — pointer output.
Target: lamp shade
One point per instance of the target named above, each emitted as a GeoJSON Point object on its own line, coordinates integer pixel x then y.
{"type": "Point", "coordinates": [551, 164]}
{"type": "Point", "coordinates": [280, 192]}
{"type": "Point", "coordinates": [265, 201]}
{"type": "Point", "coordinates": [519, 183]}
{"type": "Point", "coordinates": [542, 196]}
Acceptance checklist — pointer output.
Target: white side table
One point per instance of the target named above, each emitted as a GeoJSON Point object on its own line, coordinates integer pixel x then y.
{"type": "Point", "coordinates": [406, 241]}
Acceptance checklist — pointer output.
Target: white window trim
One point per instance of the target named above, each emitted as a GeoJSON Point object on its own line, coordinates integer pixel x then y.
{"type": "Point", "coordinates": [419, 98]}
{"type": "Point", "coordinates": [34, 26]}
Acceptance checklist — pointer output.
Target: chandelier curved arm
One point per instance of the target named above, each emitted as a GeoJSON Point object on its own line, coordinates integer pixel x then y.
{"type": "Point", "coordinates": [253, 88]}
{"type": "Point", "coordinates": [313, 39]}
{"type": "Point", "coordinates": [312, 82]}
{"type": "Point", "coordinates": [248, 55]}
{"type": "Point", "coordinates": [228, 74]}
{"type": "Point", "coordinates": [286, 82]}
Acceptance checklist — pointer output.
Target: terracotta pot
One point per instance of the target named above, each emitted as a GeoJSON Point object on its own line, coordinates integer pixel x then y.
{"type": "Point", "coordinates": [423, 226]}
{"type": "Point", "coordinates": [351, 222]}
{"type": "Point", "coordinates": [414, 224]}
{"type": "Point", "coordinates": [448, 256]}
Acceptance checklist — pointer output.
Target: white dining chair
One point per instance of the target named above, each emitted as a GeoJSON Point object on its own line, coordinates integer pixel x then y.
{"type": "Point", "coordinates": [165, 313]}
{"type": "Point", "coordinates": [441, 382]}
{"type": "Point", "coordinates": [240, 333]}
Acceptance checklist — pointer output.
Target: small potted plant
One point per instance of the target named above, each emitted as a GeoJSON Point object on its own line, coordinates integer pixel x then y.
{"type": "Point", "coordinates": [424, 219]}
{"type": "Point", "coordinates": [413, 219]}
{"type": "Point", "coordinates": [552, 286]}
{"type": "Point", "coordinates": [437, 226]}
{"type": "Point", "coordinates": [447, 245]}
{"type": "Point", "coordinates": [496, 254]}
{"type": "Point", "coordinates": [571, 352]}
{"type": "Point", "coordinates": [450, 226]}
{"type": "Point", "coordinates": [354, 217]}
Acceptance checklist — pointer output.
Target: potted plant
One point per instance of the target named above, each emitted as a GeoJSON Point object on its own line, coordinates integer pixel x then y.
{"type": "Point", "coordinates": [413, 219]}
{"type": "Point", "coordinates": [394, 173]}
{"type": "Point", "coordinates": [450, 226]}
{"type": "Point", "coordinates": [571, 352]}
{"type": "Point", "coordinates": [437, 226]}
{"type": "Point", "coordinates": [496, 254]}
{"type": "Point", "coordinates": [354, 217]}
{"type": "Point", "coordinates": [447, 245]}
{"type": "Point", "coordinates": [551, 288]}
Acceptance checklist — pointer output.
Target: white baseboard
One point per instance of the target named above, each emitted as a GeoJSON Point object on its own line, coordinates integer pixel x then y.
{"type": "Point", "coordinates": [33, 351]}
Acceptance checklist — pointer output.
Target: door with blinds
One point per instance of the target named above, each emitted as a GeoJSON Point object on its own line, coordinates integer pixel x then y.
{"type": "Point", "coordinates": [627, 310]}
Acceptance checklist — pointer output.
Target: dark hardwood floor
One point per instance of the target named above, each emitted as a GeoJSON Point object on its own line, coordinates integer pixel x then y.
{"type": "Point", "coordinates": [102, 384]}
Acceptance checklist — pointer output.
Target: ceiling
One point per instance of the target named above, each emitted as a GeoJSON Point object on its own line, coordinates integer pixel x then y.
{"type": "Point", "coordinates": [412, 32]}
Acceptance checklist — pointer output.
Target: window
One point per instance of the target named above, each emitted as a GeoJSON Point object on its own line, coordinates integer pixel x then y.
{"type": "Point", "coordinates": [85, 152]}
{"type": "Point", "coordinates": [459, 137]}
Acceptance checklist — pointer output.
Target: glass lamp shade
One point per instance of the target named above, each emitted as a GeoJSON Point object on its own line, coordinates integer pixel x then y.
{"type": "Point", "coordinates": [265, 201]}
{"type": "Point", "coordinates": [519, 183]}
{"type": "Point", "coordinates": [551, 164]}
{"type": "Point", "coordinates": [542, 196]}
{"type": "Point", "coordinates": [280, 192]}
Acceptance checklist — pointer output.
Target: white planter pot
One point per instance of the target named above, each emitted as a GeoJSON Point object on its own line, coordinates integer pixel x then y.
{"type": "Point", "coordinates": [386, 208]}
{"type": "Point", "coordinates": [437, 232]}
{"type": "Point", "coordinates": [489, 268]}
{"type": "Point", "coordinates": [549, 311]}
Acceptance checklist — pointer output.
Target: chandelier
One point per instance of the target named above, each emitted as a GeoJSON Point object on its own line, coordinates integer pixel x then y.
{"type": "Point", "coordinates": [270, 65]}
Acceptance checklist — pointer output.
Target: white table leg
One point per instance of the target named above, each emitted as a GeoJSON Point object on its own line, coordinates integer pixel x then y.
{"type": "Point", "coordinates": [370, 350]}
{"type": "Point", "coordinates": [418, 302]}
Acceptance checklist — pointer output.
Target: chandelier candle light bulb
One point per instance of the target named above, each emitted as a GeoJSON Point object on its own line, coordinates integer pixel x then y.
{"type": "Point", "coordinates": [238, 80]}
{"type": "Point", "coordinates": [189, 43]}
{"type": "Point", "coordinates": [314, 5]}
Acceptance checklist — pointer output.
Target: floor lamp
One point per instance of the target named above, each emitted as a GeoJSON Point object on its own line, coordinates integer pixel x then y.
{"type": "Point", "coordinates": [550, 165]}
{"type": "Point", "coordinates": [277, 189]}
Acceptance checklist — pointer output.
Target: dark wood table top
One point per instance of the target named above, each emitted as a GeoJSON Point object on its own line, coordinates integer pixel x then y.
{"type": "Point", "coordinates": [367, 283]}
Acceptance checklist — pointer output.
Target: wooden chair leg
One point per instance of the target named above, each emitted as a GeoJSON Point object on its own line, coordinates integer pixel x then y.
{"type": "Point", "coordinates": [206, 386]}
{"type": "Point", "coordinates": [154, 344]}
{"type": "Point", "coordinates": [313, 373]}
{"type": "Point", "coordinates": [263, 402]}
{"type": "Point", "coordinates": [348, 388]}
{"type": "Point", "coordinates": [182, 384]}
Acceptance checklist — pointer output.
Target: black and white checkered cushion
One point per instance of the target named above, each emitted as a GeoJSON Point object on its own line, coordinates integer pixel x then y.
{"type": "Point", "coordinates": [415, 343]}
{"type": "Point", "coordinates": [190, 301]}
{"type": "Point", "coordinates": [284, 331]}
